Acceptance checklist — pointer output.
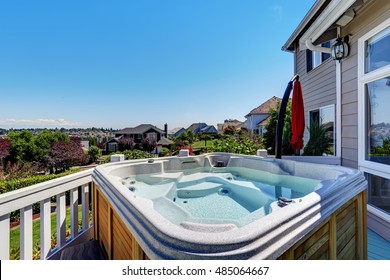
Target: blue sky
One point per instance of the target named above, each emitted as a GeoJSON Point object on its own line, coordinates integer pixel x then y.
{"type": "Point", "coordinates": [121, 63]}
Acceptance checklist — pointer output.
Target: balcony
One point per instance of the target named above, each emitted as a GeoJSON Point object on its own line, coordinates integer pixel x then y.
{"type": "Point", "coordinates": [74, 186]}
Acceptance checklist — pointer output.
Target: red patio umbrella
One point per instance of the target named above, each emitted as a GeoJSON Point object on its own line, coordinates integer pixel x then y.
{"type": "Point", "coordinates": [297, 117]}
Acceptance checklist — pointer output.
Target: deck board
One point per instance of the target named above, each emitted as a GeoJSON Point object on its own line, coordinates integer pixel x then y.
{"type": "Point", "coordinates": [378, 247]}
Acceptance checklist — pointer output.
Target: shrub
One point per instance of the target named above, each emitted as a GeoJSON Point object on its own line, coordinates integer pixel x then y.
{"type": "Point", "coordinates": [94, 152]}
{"type": "Point", "coordinates": [12, 184]}
{"type": "Point", "coordinates": [148, 144]}
{"type": "Point", "coordinates": [136, 154]}
{"type": "Point", "coordinates": [126, 143]}
{"type": "Point", "coordinates": [164, 152]}
{"type": "Point", "coordinates": [241, 144]}
{"type": "Point", "coordinates": [318, 142]}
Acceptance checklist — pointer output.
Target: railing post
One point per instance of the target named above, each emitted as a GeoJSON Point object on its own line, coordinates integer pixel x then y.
{"type": "Point", "coordinates": [85, 202]}
{"type": "Point", "coordinates": [5, 235]}
{"type": "Point", "coordinates": [45, 228]}
{"type": "Point", "coordinates": [74, 212]}
{"type": "Point", "coordinates": [26, 233]}
{"type": "Point", "coordinates": [61, 219]}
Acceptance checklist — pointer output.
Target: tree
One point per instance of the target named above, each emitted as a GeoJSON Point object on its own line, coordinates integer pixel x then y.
{"type": "Point", "coordinates": [148, 144]}
{"type": "Point", "coordinates": [5, 149]}
{"type": "Point", "coordinates": [45, 139]}
{"type": "Point", "coordinates": [94, 152]}
{"type": "Point", "coordinates": [65, 154]}
{"type": "Point", "coordinates": [205, 137]}
{"type": "Point", "coordinates": [126, 143]}
{"type": "Point", "coordinates": [270, 134]}
{"type": "Point", "coordinates": [23, 147]}
{"type": "Point", "coordinates": [230, 130]}
{"type": "Point", "coordinates": [191, 136]}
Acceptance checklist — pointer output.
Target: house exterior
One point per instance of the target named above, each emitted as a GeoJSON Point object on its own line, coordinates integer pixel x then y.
{"type": "Point", "coordinates": [137, 134]}
{"type": "Point", "coordinates": [176, 132]}
{"type": "Point", "coordinates": [209, 129]}
{"type": "Point", "coordinates": [164, 142]}
{"type": "Point", "coordinates": [202, 127]}
{"type": "Point", "coordinates": [351, 94]}
{"type": "Point", "coordinates": [112, 145]}
{"type": "Point", "coordinates": [256, 117]}
{"type": "Point", "coordinates": [230, 122]}
{"type": "Point", "coordinates": [141, 131]}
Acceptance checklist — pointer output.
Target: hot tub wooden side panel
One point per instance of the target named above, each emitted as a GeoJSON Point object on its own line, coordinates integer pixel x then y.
{"type": "Point", "coordinates": [114, 238]}
{"type": "Point", "coordinates": [343, 235]}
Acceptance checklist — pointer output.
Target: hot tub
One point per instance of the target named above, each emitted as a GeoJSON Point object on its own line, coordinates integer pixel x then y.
{"type": "Point", "coordinates": [228, 206]}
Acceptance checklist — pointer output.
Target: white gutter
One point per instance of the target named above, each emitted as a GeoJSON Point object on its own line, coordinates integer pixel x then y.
{"type": "Point", "coordinates": [316, 6]}
{"type": "Point", "coordinates": [330, 15]}
{"type": "Point", "coordinates": [312, 47]}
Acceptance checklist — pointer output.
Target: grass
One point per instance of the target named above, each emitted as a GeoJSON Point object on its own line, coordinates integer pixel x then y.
{"type": "Point", "coordinates": [15, 232]}
{"type": "Point", "coordinates": [201, 144]}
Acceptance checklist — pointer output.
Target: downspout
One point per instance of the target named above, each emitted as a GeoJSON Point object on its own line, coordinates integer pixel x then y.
{"type": "Point", "coordinates": [312, 47]}
{"type": "Point", "coordinates": [338, 105]}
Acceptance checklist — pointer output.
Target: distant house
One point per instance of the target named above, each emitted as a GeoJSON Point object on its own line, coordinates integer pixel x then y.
{"type": "Point", "coordinates": [196, 127]}
{"type": "Point", "coordinates": [142, 131]}
{"type": "Point", "coordinates": [230, 122]}
{"type": "Point", "coordinates": [85, 145]}
{"type": "Point", "coordinates": [176, 132]}
{"type": "Point", "coordinates": [255, 119]}
{"type": "Point", "coordinates": [112, 145]}
{"type": "Point", "coordinates": [137, 134]}
{"type": "Point", "coordinates": [164, 142]}
{"type": "Point", "coordinates": [202, 127]}
{"type": "Point", "coordinates": [209, 129]}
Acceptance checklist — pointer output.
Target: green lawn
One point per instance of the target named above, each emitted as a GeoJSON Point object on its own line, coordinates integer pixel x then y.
{"type": "Point", "coordinates": [201, 144]}
{"type": "Point", "coordinates": [15, 232]}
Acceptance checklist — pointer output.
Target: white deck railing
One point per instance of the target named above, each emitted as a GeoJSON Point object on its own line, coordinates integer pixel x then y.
{"type": "Point", "coordinates": [23, 199]}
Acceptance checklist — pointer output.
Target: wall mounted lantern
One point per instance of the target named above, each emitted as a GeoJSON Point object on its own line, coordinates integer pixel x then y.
{"type": "Point", "coordinates": [340, 48]}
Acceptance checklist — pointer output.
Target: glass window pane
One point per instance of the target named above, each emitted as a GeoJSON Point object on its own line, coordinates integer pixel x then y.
{"type": "Point", "coordinates": [316, 57]}
{"type": "Point", "coordinates": [378, 192]}
{"type": "Point", "coordinates": [378, 121]}
{"type": "Point", "coordinates": [327, 120]}
{"type": "Point", "coordinates": [378, 51]}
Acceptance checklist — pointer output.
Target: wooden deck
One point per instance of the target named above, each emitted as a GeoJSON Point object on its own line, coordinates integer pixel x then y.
{"type": "Point", "coordinates": [378, 247]}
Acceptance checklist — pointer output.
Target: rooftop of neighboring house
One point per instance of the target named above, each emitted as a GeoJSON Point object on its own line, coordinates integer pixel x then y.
{"type": "Point", "coordinates": [175, 130]}
{"type": "Point", "coordinates": [208, 128]}
{"type": "Point", "coordinates": [165, 141]}
{"type": "Point", "coordinates": [140, 129]}
{"type": "Point", "coordinates": [195, 126]}
{"type": "Point", "coordinates": [265, 107]}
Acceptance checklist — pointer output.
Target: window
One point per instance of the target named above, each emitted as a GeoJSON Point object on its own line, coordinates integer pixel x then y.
{"type": "Point", "coordinates": [314, 59]}
{"type": "Point", "coordinates": [326, 116]}
{"type": "Point", "coordinates": [379, 192]}
{"type": "Point", "coordinates": [377, 51]}
{"type": "Point", "coordinates": [151, 135]}
{"type": "Point", "coordinates": [378, 120]}
{"type": "Point", "coordinates": [374, 116]}
{"type": "Point", "coordinates": [112, 147]}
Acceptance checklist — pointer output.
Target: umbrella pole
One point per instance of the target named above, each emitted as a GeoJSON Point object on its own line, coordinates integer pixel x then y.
{"type": "Point", "coordinates": [281, 115]}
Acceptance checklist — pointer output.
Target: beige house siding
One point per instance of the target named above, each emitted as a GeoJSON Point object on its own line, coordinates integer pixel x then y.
{"type": "Point", "coordinates": [366, 19]}
{"type": "Point", "coordinates": [318, 85]}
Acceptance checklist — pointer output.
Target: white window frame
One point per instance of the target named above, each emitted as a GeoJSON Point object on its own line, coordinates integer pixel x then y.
{"type": "Point", "coordinates": [371, 167]}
